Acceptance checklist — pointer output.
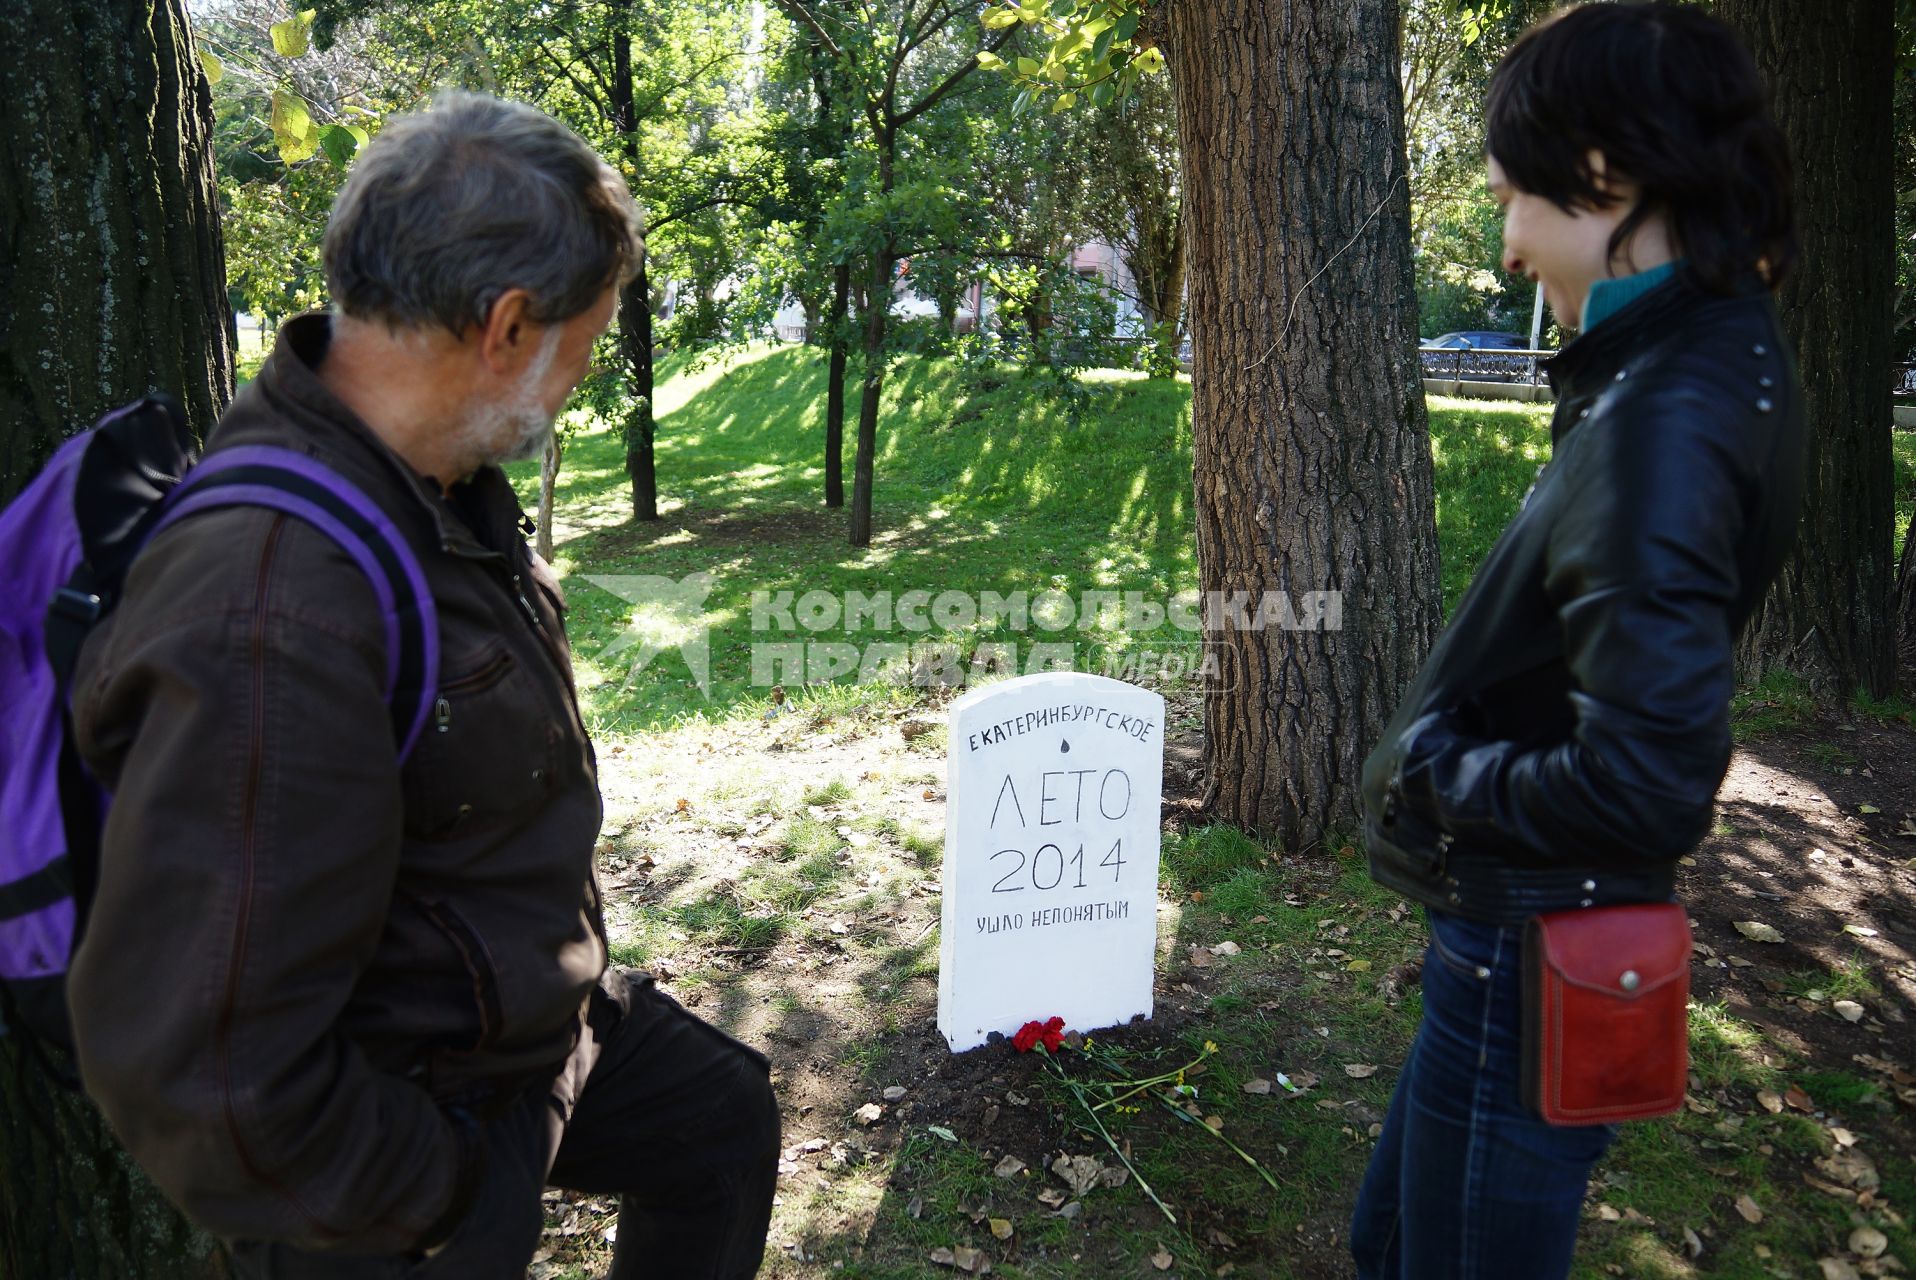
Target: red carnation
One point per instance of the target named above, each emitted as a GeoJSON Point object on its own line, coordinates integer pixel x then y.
{"type": "Point", "coordinates": [1031, 1034]}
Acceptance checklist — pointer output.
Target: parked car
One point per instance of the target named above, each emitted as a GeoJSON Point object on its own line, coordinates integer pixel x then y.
{"type": "Point", "coordinates": [1477, 340]}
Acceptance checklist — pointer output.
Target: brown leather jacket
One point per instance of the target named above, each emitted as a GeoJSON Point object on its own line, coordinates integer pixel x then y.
{"type": "Point", "coordinates": [302, 953]}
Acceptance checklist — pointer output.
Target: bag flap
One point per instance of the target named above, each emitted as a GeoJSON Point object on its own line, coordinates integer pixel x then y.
{"type": "Point", "coordinates": [1625, 951]}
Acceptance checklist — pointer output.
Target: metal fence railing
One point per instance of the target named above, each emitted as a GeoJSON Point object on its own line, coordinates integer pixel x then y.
{"type": "Point", "coordinates": [1458, 364]}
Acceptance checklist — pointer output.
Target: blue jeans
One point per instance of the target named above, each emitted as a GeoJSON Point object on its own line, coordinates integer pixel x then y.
{"type": "Point", "coordinates": [1465, 1184]}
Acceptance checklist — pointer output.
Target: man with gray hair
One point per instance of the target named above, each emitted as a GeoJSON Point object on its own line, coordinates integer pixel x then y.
{"type": "Point", "coordinates": [352, 1013]}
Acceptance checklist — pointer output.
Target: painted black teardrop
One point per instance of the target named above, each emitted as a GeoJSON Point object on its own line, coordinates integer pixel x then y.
{"type": "Point", "coordinates": [1064, 745]}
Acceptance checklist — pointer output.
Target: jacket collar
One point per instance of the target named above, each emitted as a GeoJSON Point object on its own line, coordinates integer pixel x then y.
{"type": "Point", "coordinates": [1594, 356]}
{"type": "Point", "coordinates": [290, 391]}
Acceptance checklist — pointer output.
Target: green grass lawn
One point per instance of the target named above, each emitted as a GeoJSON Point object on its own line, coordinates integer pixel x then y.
{"type": "Point", "coordinates": [776, 872]}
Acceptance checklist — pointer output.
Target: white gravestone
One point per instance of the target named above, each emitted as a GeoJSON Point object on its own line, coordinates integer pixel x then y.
{"type": "Point", "coordinates": [1051, 856]}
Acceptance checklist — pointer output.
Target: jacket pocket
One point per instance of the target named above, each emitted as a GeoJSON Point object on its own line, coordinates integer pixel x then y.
{"type": "Point", "coordinates": [476, 956]}
{"type": "Point", "coordinates": [485, 761]}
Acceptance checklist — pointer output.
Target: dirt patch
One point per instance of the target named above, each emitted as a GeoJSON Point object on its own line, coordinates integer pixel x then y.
{"type": "Point", "coordinates": [1815, 840]}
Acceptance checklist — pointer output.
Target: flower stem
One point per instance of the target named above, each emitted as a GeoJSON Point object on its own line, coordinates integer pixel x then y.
{"type": "Point", "coordinates": [1109, 1141]}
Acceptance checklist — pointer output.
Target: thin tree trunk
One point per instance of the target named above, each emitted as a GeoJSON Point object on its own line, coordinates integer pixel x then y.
{"type": "Point", "coordinates": [877, 312]}
{"type": "Point", "coordinates": [1310, 444]}
{"type": "Point", "coordinates": [835, 389]}
{"type": "Point", "coordinates": [548, 482]}
{"type": "Point", "coordinates": [635, 338]}
{"type": "Point", "coordinates": [1829, 616]}
{"type": "Point", "coordinates": [635, 300]}
{"type": "Point", "coordinates": [112, 284]}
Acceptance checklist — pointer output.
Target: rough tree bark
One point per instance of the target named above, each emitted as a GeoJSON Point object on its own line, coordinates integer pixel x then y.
{"type": "Point", "coordinates": [1829, 615]}
{"type": "Point", "coordinates": [1311, 446]}
{"type": "Point", "coordinates": [112, 284]}
{"type": "Point", "coordinates": [112, 273]}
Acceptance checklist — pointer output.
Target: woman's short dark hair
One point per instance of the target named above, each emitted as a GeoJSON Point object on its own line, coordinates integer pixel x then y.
{"type": "Point", "coordinates": [1673, 101]}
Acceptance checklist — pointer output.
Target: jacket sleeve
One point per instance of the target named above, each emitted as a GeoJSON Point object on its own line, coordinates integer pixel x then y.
{"type": "Point", "coordinates": [1642, 568]}
{"type": "Point", "coordinates": [247, 864]}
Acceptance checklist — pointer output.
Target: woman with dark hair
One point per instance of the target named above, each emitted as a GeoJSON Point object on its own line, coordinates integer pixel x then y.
{"type": "Point", "coordinates": [1562, 746]}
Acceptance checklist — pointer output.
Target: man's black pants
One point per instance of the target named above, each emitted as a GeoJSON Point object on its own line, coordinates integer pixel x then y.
{"type": "Point", "coordinates": [675, 1118]}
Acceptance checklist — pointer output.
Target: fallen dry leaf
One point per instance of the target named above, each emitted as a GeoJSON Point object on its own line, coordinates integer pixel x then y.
{"type": "Point", "coordinates": [868, 1114]}
{"type": "Point", "coordinates": [943, 1257]}
{"type": "Point", "coordinates": [1161, 1259]}
{"type": "Point", "coordinates": [682, 805]}
{"type": "Point", "coordinates": [1757, 931]}
{"type": "Point", "coordinates": [1200, 957]}
{"type": "Point", "coordinates": [1080, 1173]}
{"type": "Point", "coordinates": [1859, 930]}
{"type": "Point", "coordinates": [1051, 1197]}
{"type": "Point", "coordinates": [1608, 1214]}
{"type": "Point", "coordinates": [1009, 1167]}
{"type": "Point", "coordinates": [1693, 1243]}
{"type": "Point", "coordinates": [1770, 1100]}
{"type": "Point", "coordinates": [1798, 1099]}
{"type": "Point", "coordinates": [1748, 1208]}
{"type": "Point", "coordinates": [1837, 1269]}
{"type": "Point", "coordinates": [1214, 1123]}
{"type": "Point", "coordinates": [1359, 1070]}
{"type": "Point", "coordinates": [1001, 1227]}
{"type": "Point", "coordinates": [1258, 1085]}
{"type": "Point", "coordinates": [1868, 1242]}
{"type": "Point", "coordinates": [971, 1261]}
{"type": "Point", "coordinates": [1851, 1168]}
{"type": "Point", "coordinates": [1226, 948]}
{"type": "Point", "coordinates": [1358, 966]}
{"type": "Point", "coordinates": [1849, 1010]}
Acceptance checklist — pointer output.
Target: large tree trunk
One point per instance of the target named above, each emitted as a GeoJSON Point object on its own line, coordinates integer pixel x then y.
{"type": "Point", "coordinates": [1829, 614]}
{"type": "Point", "coordinates": [112, 274]}
{"type": "Point", "coordinates": [1310, 444]}
{"type": "Point", "coordinates": [835, 389]}
{"type": "Point", "coordinates": [112, 284]}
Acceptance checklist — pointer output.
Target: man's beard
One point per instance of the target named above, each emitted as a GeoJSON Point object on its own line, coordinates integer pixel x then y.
{"type": "Point", "coordinates": [516, 428]}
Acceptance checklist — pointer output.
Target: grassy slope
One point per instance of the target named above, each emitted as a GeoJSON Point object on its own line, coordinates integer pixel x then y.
{"type": "Point", "coordinates": [983, 485]}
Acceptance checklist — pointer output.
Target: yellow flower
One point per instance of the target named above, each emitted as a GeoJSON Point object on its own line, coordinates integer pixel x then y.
{"type": "Point", "coordinates": [1210, 1046]}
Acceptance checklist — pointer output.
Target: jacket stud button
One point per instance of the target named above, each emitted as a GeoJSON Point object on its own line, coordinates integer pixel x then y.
{"type": "Point", "coordinates": [1629, 980]}
{"type": "Point", "coordinates": [1622, 374]}
{"type": "Point", "coordinates": [1763, 405]}
{"type": "Point", "coordinates": [1766, 381]}
{"type": "Point", "coordinates": [1455, 898]}
{"type": "Point", "coordinates": [1584, 414]}
{"type": "Point", "coordinates": [1589, 886]}
{"type": "Point", "coordinates": [1759, 350]}
{"type": "Point", "coordinates": [1584, 903]}
{"type": "Point", "coordinates": [538, 774]}
{"type": "Point", "coordinates": [1451, 881]}
{"type": "Point", "coordinates": [1483, 971]}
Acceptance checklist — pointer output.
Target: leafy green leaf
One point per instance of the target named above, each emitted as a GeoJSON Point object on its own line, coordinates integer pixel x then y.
{"type": "Point", "coordinates": [1150, 61]}
{"type": "Point", "coordinates": [988, 60]}
{"type": "Point", "coordinates": [1065, 102]}
{"type": "Point", "coordinates": [1028, 67]}
{"type": "Point", "coordinates": [1127, 24]}
{"type": "Point", "coordinates": [292, 127]}
{"type": "Point", "coordinates": [998, 19]}
{"type": "Point", "coordinates": [339, 144]}
{"type": "Point", "coordinates": [215, 69]}
{"type": "Point", "coordinates": [1102, 45]}
{"type": "Point", "coordinates": [292, 37]}
{"type": "Point", "coordinates": [1063, 8]}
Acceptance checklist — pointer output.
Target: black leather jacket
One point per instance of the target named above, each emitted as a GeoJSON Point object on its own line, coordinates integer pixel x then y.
{"type": "Point", "coordinates": [1563, 744]}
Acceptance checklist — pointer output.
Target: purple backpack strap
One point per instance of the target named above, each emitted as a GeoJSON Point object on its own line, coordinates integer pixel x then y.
{"type": "Point", "coordinates": [305, 488]}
